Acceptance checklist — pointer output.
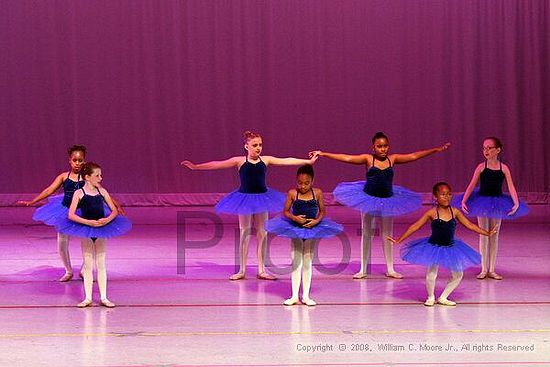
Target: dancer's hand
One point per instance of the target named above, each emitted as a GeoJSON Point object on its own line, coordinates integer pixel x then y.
{"type": "Point", "coordinates": [95, 223]}
{"type": "Point", "coordinates": [23, 203]}
{"type": "Point", "coordinates": [300, 219]}
{"type": "Point", "coordinates": [310, 223]}
{"type": "Point", "coordinates": [188, 164]}
{"type": "Point", "coordinates": [494, 230]}
{"type": "Point", "coordinates": [103, 221]}
{"type": "Point", "coordinates": [313, 159]}
{"type": "Point", "coordinates": [464, 207]}
{"type": "Point", "coordinates": [514, 209]}
{"type": "Point", "coordinates": [315, 153]}
{"type": "Point", "coordinates": [392, 240]}
{"type": "Point", "coordinates": [444, 147]}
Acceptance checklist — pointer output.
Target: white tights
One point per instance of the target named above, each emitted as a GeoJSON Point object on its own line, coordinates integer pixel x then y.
{"type": "Point", "coordinates": [367, 232]}
{"type": "Point", "coordinates": [431, 277]}
{"type": "Point", "coordinates": [91, 250]}
{"type": "Point", "coordinates": [245, 227]}
{"type": "Point", "coordinates": [488, 246]}
{"type": "Point", "coordinates": [63, 250]}
{"type": "Point", "coordinates": [302, 258]}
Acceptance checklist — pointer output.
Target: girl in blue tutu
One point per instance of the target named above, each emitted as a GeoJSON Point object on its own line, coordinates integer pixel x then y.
{"type": "Point", "coordinates": [305, 223]}
{"type": "Point", "coordinates": [441, 248]}
{"type": "Point", "coordinates": [93, 224]}
{"type": "Point", "coordinates": [253, 200]}
{"type": "Point", "coordinates": [377, 196]}
{"type": "Point", "coordinates": [490, 204]}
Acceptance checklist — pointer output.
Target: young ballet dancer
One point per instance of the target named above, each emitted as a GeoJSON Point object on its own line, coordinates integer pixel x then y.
{"type": "Point", "coordinates": [377, 196]}
{"type": "Point", "coordinates": [489, 204]}
{"type": "Point", "coordinates": [305, 223]}
{"type": "Point", "coordinates": [253, 200]}
{"type": "Point", "coordinates": [57, 207]}
{"type": "Point", "coordinates": [93, 225]}
{"type": "Point", "coordinates": [441, 248]}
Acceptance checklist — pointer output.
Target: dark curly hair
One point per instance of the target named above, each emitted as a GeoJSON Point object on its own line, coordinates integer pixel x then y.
{"type": "Point", "coordinates": [306, 169]}
{"type": "Point", "coordinates": [379, 135]}
{"type": "Point", "coordinates": [436, 187]}
{"type": "Point", "coordinates": [77, 148]}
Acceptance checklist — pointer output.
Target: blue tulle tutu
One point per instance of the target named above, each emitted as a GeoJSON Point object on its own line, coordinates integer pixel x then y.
{"type": "Point", "coordinates": [402, 201]}
{"type": "Point", "coordinates": [286, 228]}
{"type": "Point", "coordinates": [118, 226]}
{"type": "Point", "coordinates": [238, 202]}
{"type": "Point", "coordinates": [491, 206]}
{"type": "Point", "coordinates": [455, 257]}
{"type": "Point", "coordinates": [51, 212]}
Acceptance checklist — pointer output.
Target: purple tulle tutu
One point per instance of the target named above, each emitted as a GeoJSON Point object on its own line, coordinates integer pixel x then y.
{"type": "Point", "coordinates": [286, 228]}
{"type": "Point", "coordinates": [52, 212]}
{"type": "Point", "coordinates": [118, 226]}
{"type": "Point", "coordinates": [402, 201]}
{"type": "Point", "coordinates": [491, 206]}
{"type": "Point", "coordinates": [455, 257]}
{"type": "Point", "coordinates": [237, 202]}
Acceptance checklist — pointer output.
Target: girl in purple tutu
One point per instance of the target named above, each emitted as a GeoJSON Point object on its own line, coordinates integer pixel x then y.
{"type": "Point", "coordinates": [377, 196]}
{"type": "Point", "coordinates": [93, 224]}
{"type": "Point", "coordinates": [305, 224]}
{"type": "Point", "coordinates": [441, 248]}
{"type": "Point", "coordinates": [253, 200]}
{"type": "Point", "coordinates": [490, 204]}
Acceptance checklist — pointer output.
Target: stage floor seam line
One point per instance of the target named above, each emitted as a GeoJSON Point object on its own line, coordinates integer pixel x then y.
{"type": "Point", "coordinates": [266, 333]}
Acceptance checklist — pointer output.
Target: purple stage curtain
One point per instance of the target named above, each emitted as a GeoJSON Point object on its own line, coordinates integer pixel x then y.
{"type": "Point", "coordinates": [146, 84]}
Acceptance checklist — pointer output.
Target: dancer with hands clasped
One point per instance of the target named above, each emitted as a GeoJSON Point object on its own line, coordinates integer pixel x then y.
{"type": "Point", "coordinates": [304, 222]}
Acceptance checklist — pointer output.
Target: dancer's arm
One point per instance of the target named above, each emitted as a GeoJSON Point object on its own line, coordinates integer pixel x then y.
{"type": "Point", "coordinates": [287, 161]}
{"type": "Point", "coordinates": [118, 207]}
{"type": "Point", "coordinates": [111, 205]}
{"type": "Point", "coordinates": [54, 186]}
{"type": "Point", "coordinates": [511, 188]}
{"type": "Point", "coordinates": [411, 157]}
{"type": "Point", "coordinates": [471, 226]}
{"type": "Point", "coordinates": [228, 163]}
{"type": "Point", "coordinates": [346, 158]}
{"type": "Point", "coordinates": [471, 186]}
{"type": "Point", "coordinates": [414, 227]}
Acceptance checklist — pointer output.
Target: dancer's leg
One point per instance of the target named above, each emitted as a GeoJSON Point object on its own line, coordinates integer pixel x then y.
{"type": "Point", "coordinates": [63, 250]}
{"type": "Point", "coordinates": [245, 226]}
{"type": "Point", "coordinates": [296, 253]}
{"type": "Point", "coordinates": [451, 286]}
{"type": "Point", "coordinates": [261, 236]}
{"type": "Point", "coordinates": [483, 223]}
{"type": "Point", "coordinates": [431, 276]}
{"type": "Point", "coordinates": [366, 244]}
{"type": "Point", "coordinates": [309, 247]}
{"type": "Point", "coordinates": [386, 225]}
